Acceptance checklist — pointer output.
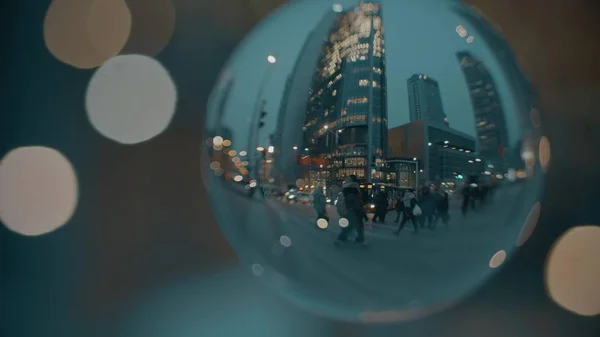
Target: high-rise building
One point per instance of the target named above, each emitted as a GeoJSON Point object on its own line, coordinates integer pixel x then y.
{"type": "Point", "coordinates": [490, 123]}
{"type": "Point", "coordinates": [521, 89]}
{"type": "Point", "coordinates": [425, 100]}
{"type": "Point", "coordinates": [288, 135]}
{"type": "Point", "coordinates": [345, 125]}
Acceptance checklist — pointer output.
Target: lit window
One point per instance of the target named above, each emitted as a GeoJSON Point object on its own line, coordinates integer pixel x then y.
{"type": "Point", "coordinates": [363, 82]}
{"type": "Point", "coordinates": [334, 92]}
{"type": "Point", "coordinates": [357, 100]}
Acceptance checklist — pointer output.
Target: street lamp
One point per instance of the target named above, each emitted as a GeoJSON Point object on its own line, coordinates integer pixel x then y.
{"type": "Point", "coordinates": [271, 59]}
{"type": "Point", "coordinates": [295, 148]}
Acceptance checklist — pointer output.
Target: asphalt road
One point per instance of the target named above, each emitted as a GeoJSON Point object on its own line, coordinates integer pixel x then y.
{"type": "Point", "coordinates": [394, 272]}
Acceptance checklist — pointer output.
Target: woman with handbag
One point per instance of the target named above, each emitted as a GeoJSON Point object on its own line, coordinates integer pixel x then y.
{"type": "Point", "coordinates": [411, 211]}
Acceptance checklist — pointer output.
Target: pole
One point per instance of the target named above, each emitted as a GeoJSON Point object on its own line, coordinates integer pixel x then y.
{"type": "Point", "coordinates": [417, 176]}
{"type": "Point", "coordinates": [254, 130]}
{"type": "Point", "coordinates": [370, 102]}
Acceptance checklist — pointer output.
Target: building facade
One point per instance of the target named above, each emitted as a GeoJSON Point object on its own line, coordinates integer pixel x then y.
{"type": "Point", "coordinates": [288, 135]}
{"type": "Point", "coordinates": [443, 154]}
{"type": "Point", "coordinates": [521, 88]}
{"type": "Point", "coordinates": [425, 100]}
{"type": "Point", "coordinates": [346, 117]}
{"type": "Point", "coordinates": [402, 172]}
{"type": "Point", "coordinates": [490, 122]}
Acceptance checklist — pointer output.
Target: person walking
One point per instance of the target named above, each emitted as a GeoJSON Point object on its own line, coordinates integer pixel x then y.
{"type": "Point", "coordinates": [350, 207]}
{"type": "Point", "coordinates": [427, 203]}
{"type": "Point", "coordinates": [381, 205]}
{"type": "Point", "coordinates": [319, 202]}
{"type": "Point", "coordinates": [442, 205]}
{"type": "Point", "coordinates": [410, 203]}
{"type": "Point", "coordinates": [466, 194]}
{"type": "Point", "coordinates": [399, 207]}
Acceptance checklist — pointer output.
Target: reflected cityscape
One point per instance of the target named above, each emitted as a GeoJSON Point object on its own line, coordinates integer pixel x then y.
{"type": "Point", "coordinates": [466, 172]}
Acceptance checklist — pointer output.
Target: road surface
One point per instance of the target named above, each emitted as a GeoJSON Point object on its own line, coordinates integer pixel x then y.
{"type": "Point", "coordinates": [395, 272]}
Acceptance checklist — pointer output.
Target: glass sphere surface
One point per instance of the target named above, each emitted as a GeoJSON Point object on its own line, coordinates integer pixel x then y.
{"type": "Point", "coordinates": [406, 124]}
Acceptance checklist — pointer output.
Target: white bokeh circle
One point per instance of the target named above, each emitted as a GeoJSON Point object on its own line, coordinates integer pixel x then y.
{"type": "Point", "coordinates": [130, 99]}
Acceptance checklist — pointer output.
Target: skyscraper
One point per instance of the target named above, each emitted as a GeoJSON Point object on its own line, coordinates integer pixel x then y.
{"type": "Point", "coordinates": [521, 89]}
{"type": "Point", "coordinates": [346, 117]}
{"type": "Point", "coordinates": [490, 124]}
{"type": "Point", "coordinates": [425, 100]}
{"type": "Point", "coordinates": [290, 120]}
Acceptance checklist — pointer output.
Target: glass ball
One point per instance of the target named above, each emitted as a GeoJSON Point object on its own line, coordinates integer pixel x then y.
{"type": "Point", "coordinates": [374, 161]}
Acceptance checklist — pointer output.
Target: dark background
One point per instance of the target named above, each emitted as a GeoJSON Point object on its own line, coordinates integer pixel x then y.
{"type": "Point", "coordinates": [143, 220]}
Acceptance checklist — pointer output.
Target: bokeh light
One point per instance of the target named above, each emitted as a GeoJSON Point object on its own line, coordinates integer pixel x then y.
{"type": "Point", "coordinates": [108, 25]}
{"type": "Point", "coordinates": [498, 259]}
{"type": "Point", "coordinates": [153, 24]}
{"type": "Point", "coordinates": [131, 99]}
{"type": "Point", "coordinates": [343, 222]}
{"type": "Point", "coordinates": [257, 269]}
{"type": "Point", "coordinates": [322, 223]}
{"type": "Point", "coordinates": [38, 190]}
{"type": "Point", "coordinates": [572, 274]}
{"type": "Point", "coordinates": [86, 33]}
{"type": "Point", "coordinates": [217, 141]}
{"type": "Point", "coordinates": [544, 152]}
{"type": "Point", "coordinates": [529, 225]}
{"type": "Point", "coordinates": [285, 241]}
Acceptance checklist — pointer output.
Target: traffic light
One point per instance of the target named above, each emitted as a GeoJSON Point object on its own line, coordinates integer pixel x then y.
{"type": "Point", "coordinates": [263, 114]}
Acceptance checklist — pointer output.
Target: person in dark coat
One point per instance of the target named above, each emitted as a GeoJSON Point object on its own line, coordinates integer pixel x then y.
{"type": "Point", "coordinates": [442, 205]}
{"type": "Point", "coordinates": [319, 202]}
{"type": "Point", "coordinates": [399, 207]}
{"type": "Point", "coordinates": [427, 204]}
{"type": "Point", "coordinates": [381, 205]}
{"type": "Point", "coordinates": [410, 201]}
{"type": "Point", "coordinates": [466, 194]}
{"type": "Point", "coordinates": [356, 213]}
